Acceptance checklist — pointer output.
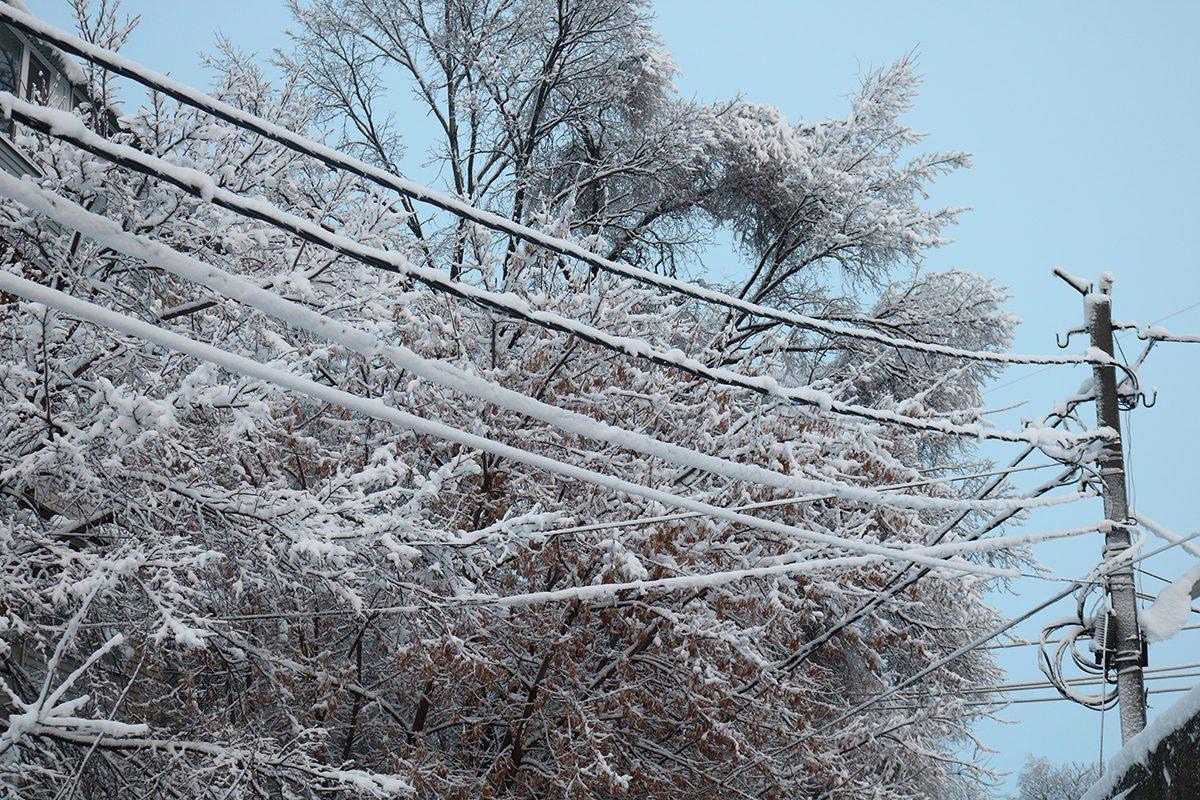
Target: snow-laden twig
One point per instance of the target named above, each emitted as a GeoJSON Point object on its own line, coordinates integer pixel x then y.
{"type": "Point", "coordinates": [118, 738]}
{"type": "Point", "coordinates": [49, 710]}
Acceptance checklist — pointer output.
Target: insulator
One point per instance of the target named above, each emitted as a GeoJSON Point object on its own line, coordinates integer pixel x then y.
{"type": "Point", "coordinates": [1104, 638]}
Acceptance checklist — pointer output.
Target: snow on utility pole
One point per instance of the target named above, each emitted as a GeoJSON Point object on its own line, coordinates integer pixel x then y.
{"type": "Point", "coordinates": [1122, 592]}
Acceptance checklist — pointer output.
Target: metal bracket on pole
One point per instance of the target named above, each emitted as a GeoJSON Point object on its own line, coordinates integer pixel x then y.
{"type": "Point", "coordinates": [1081, 285]}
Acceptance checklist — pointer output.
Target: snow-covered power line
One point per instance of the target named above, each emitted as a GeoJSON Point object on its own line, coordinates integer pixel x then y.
{"type": "Point", "coordinates": [67, 127]}
{"type": "Point", "coordinates": [90, 312]}
{"type": "Point", "coordinates": [335, 159]}
{"type": "Point", "coordinates": [110, 234]}
{"type": "Point", "coordinates": [1173, 539]}
{"type": "Point", "coordinates": [787, 564]}
{"type": "Point", "coordinates": [784, 501]}
{"type": "Point", "coordinates": [1156, 333]}
{"type": "Point", "coordinates": [784, 565]}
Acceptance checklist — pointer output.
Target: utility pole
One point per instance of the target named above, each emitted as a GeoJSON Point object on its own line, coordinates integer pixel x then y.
{"type": "Point", "coordinates": [1122, 591]}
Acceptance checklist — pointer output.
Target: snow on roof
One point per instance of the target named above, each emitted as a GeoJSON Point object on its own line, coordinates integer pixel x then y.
{"type": "Point", "coordinates": [1137, 751]}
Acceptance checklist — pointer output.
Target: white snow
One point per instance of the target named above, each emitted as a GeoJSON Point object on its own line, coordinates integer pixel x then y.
{"type": "Point", "coordinates": [1138, 749]}
{"type": "Point", "coordinates": [1169, 612]}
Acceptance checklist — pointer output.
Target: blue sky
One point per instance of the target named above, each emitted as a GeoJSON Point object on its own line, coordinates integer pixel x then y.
{"type": "Point", "coordinates": [1081, 117]}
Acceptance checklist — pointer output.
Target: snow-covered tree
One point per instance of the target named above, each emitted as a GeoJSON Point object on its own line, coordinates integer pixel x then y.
{"type": "Point", "coordinates": [1042, 780]}
{"type": "Point", "coordinates": [215, 588]}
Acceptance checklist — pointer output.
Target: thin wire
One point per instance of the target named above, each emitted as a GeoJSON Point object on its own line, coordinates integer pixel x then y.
{"type": "Point", "coordinates": [786, 501]}
{"type": "Point", "coordinates": [1040, 370]}
{"type": "Point", "coordinates": [1157, 674]}
{"type": "Point", "coordinates": [998, 704]}
{"type": "Point", "coordinates": [1176, 313]}
{"type": "Point", "coordinates": [1026, 376]}
{"type": "Point", "coordinates": [1152, 673]}
{"type": "Point", "coordinates": [1154, 575]}
{"type": "Point", "coordinates": [1029, 643]}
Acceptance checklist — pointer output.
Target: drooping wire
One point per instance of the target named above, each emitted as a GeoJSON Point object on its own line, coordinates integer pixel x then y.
{"type": "Point", "coordinates": [1083, 626]}
{"type": "Point", "coordinates": [54, 123]}
{"type": "Point", "coordinates": [334, 159]}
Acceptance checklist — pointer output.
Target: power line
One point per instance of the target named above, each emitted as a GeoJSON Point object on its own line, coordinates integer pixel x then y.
{"type": "Point", "coordinates": [786, 501]}
{"type": "Point", "coordinates": [1176, 313]}
{"type": "Point", "coordinates": [1030, 643]}
{"type": "Point", "coordinates": [341, 161]}
{"type": "Point", "coordinates": [66, 127]}
{"type": "Point", "coordinates": [82, 309]}
{"type": "Point", "coordinates": [111, 235]}
{"type": "Point", "coordinates": [1153, 673]}
{"type": "Point", "coordinates": [998, 704]}
{"type": "Point", "coordinates": [1039, 371]}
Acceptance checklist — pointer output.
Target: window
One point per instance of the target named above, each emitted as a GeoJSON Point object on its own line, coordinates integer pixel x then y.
{"type": "Point", "coordinates": [11, 53]}
{"type": "Point", "coordinates": [46, 85]}
{"type": "Point", "coordinates": [37, 83]}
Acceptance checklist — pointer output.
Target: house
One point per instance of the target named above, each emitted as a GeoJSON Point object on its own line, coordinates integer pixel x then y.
{"type": "Point", "coordinates": [37, 73]}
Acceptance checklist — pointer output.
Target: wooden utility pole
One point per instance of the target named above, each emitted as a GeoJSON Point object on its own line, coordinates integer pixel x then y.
{"type": "Point", "coordinates": [1122, 591]}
